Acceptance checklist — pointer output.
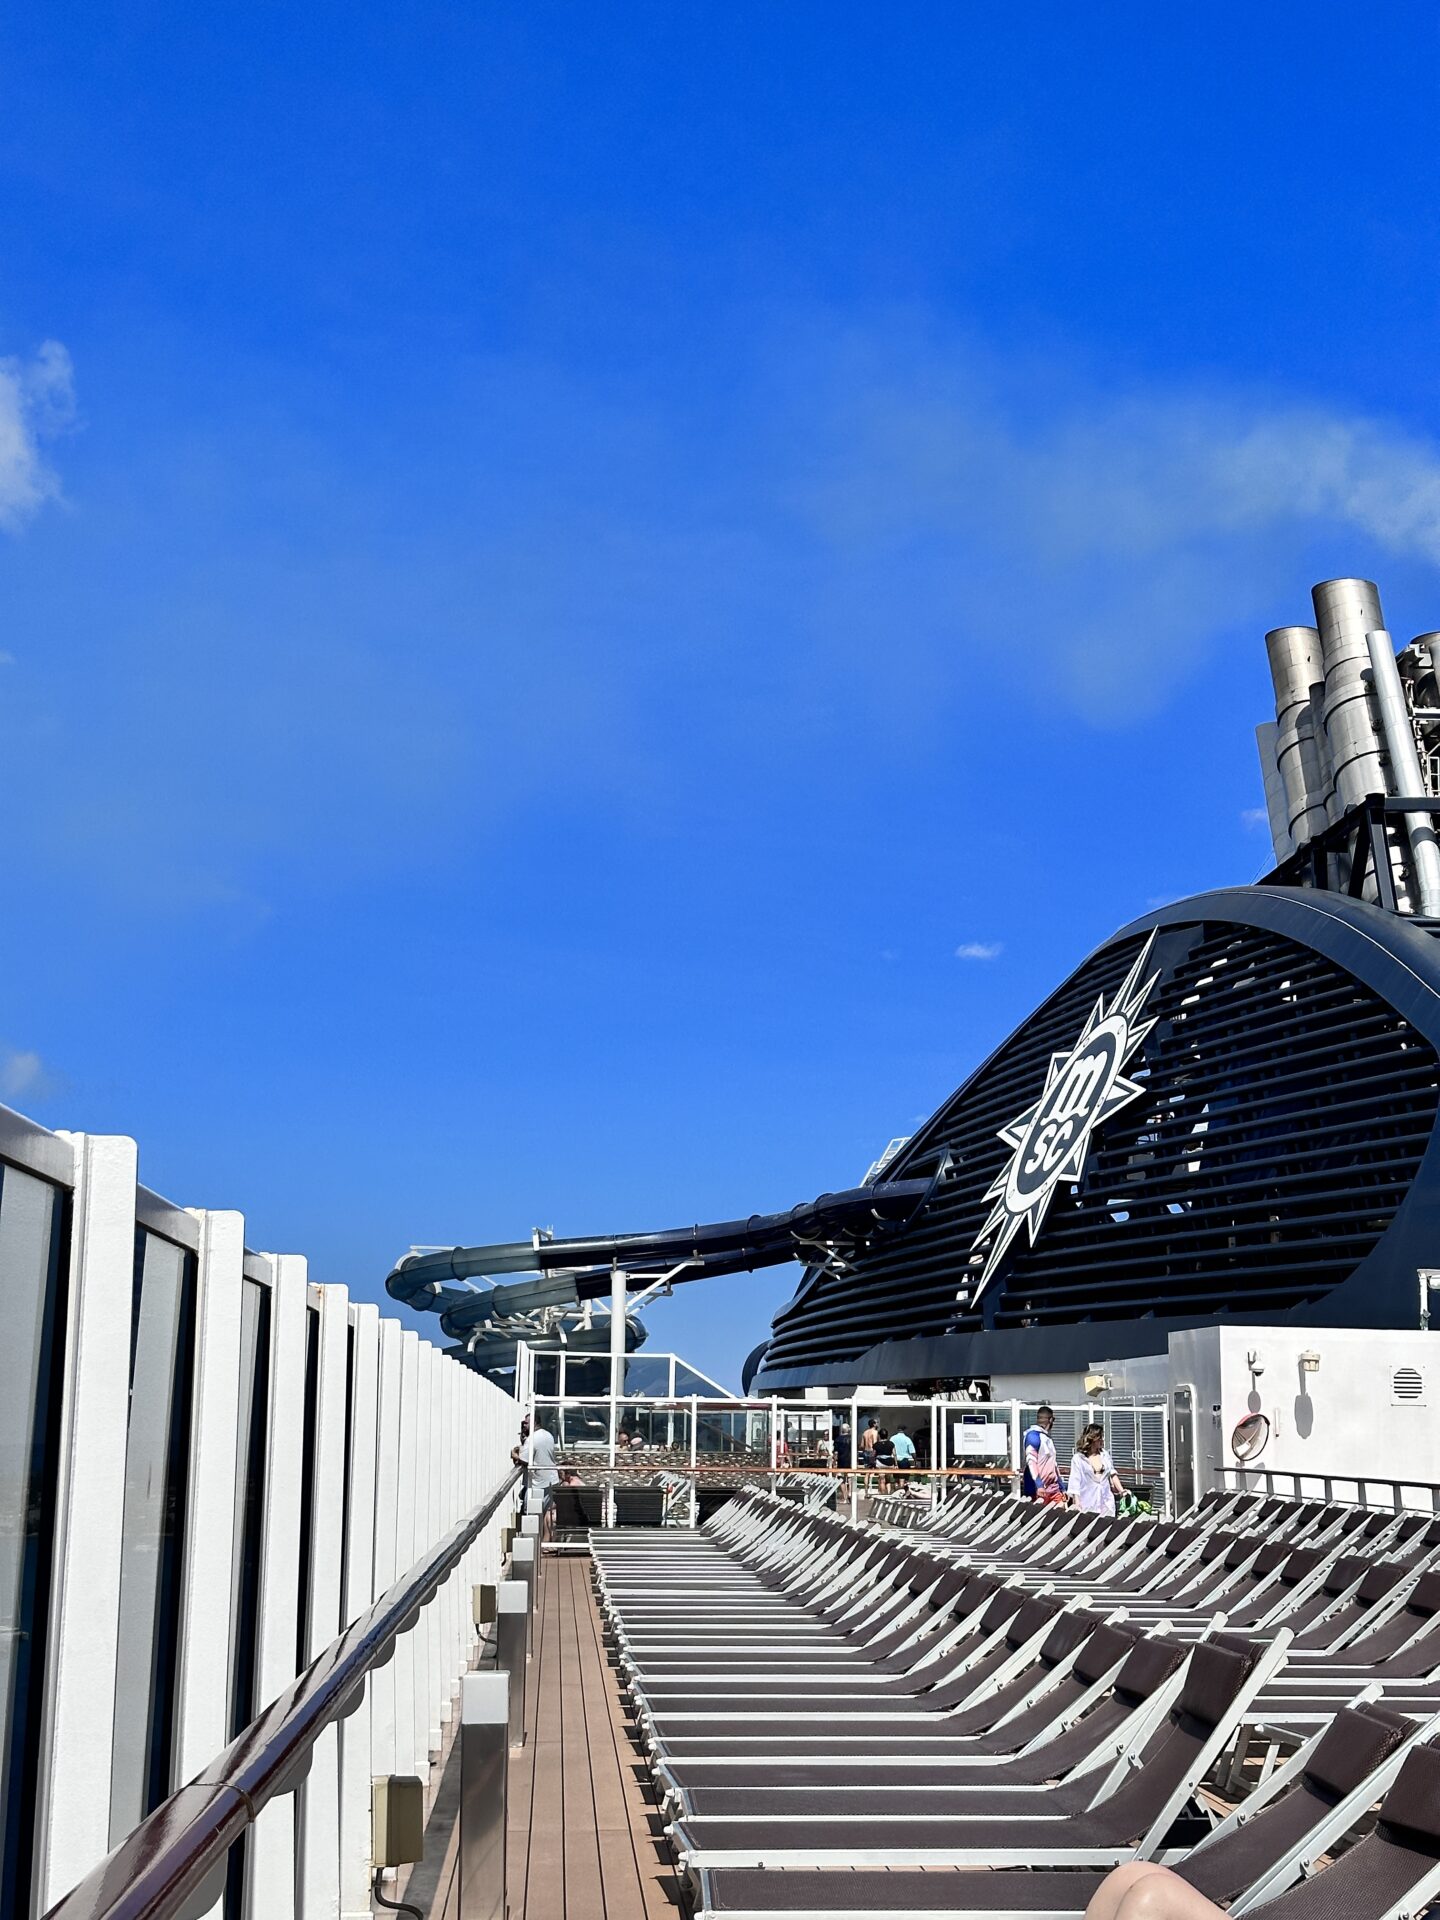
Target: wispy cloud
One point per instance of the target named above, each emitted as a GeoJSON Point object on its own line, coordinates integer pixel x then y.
{"type": "Point", "coordinates": [1254, 818]}
{"type": "Point", "coordinates": [860, 537]}
{"type": "Point", "coordinates": [37, 402]}
{"type": "Point", "coordinates": [979, 950]}
{"type": "Point", "coordinates": [25, 1076]}
{"type": "Point", "coordinates": [1042, 514]}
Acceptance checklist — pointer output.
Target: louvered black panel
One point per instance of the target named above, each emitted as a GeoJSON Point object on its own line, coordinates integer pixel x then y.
{"type": "Point", "coordinates": [1285, 1113]}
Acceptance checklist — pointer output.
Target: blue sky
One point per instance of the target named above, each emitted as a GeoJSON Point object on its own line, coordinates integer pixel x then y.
{"type": "Point", "coordinates": [558, 564]}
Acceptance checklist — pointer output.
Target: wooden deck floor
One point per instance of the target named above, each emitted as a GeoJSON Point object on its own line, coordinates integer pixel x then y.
{"type": "Point", "coordinates": [584, 1840]}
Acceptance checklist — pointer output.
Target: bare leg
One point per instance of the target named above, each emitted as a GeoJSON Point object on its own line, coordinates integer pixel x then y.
{"type": "Point", "coordinates": [1144, 1891]}
{"type": "Point", "coordinates": [1105, 1902]}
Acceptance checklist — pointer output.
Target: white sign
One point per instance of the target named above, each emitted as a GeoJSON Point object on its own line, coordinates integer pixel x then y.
{"type": "Point", "coordinates": [979, 1437]}
{"type": "Point", "coordinates": [1083, 1088]}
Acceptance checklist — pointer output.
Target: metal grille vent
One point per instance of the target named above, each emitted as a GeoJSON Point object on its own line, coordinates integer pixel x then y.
{"type": "Point", "coordinates": [1286, 1110]}
{"type": "Point", "coordinates": [1408, 1384]}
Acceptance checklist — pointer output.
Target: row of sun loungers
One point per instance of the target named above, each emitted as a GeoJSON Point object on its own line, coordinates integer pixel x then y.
{"type": "Point", "coordinates": [988, 1715]}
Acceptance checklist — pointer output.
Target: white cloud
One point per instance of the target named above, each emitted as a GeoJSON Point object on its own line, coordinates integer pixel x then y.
{"type": "Point", "coordinates": [1042, 519]}
{"type": "Point", "coordinates": [1254, 817]}
{"type": "Point", "coordinates": [979, 950]}
{"type": "Point", "coordinates": [37, 402]}
{"type": "Point", "coordinates": [25, 1076]}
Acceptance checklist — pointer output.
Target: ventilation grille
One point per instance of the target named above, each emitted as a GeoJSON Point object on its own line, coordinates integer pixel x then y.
{"type": "Point", "coordinates": [1408, 1384]}
{"type": "Point", "coordinates": [1286, 1110]}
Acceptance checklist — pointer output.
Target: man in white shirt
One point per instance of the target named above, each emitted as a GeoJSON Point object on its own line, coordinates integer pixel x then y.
{"type": "Point", "coordinates": [537, 1454]}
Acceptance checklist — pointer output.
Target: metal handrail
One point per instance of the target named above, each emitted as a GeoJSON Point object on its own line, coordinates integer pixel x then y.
{"type": "Point", "coordinates": [161, 1871]}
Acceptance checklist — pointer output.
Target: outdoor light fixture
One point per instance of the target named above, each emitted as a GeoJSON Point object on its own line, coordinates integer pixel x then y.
{"type": "Point", "coordinates": [1310, 1362]}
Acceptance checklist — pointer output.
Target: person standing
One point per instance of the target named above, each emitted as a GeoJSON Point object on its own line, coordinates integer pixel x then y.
{"type": "Point", "coordinates": [904, 1451]}
{"type": "Point", "coordinates": [884, 1458]}
{"type": "Point", "coordinates": [1094, 1482]}
{"type": "Point", "coordinates": [869, 1439]}
{"type": "Point", "coordinates": [537, 1456]}
{"type": "Point", "coordinates": [1041, 1481]}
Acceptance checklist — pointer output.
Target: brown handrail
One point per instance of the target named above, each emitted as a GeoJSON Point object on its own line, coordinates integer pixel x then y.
{"type": "Point", "coordinates": [165, 1863]}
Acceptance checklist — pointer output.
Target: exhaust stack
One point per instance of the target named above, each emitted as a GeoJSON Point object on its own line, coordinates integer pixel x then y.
{"type": "Point", "coordinates": [1352, 721]}
{"type": "Point", "coordinates": [1303, 769]}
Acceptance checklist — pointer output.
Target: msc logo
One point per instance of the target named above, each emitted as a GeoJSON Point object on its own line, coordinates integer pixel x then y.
{"type": "Point", "coordinates": [1051, 1139]}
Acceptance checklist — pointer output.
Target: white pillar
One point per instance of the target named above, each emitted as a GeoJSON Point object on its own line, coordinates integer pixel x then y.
{"type": "Point", "coordinates": [855, 1460]}
{"type": "Point", "coordinates": [407, 1757]}
{"type": "Point", "coordinates": [618, 1293]}
{"type": "Point", "coordinates": [270, 1875]}
{"type": "Point", "coordinates": [202, 1683]}
{"type": "Point", "coordinates": [355, 1729]}
{"type": "Point", "coordinates": [318, 1826]}
{"type": "Point", "coordinates": [74, 1813]}
{"type": "Point", "coordinates": [435, 1613]}
{"type": "Point", "coordinates": [384, 1754]}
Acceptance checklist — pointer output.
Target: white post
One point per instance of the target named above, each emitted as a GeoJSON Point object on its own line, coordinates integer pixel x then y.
{"type": "Point", "coordinates": [360, 1496]}
{"type": "Point", "coordinates": [937, 1452]}
{"type": "Point", "coordinates": [694, 1457]}
{"type": "Point", "coordinates": [270, 1880]}
{"type": "Point", "coordinates": [617, 1369]}
{"type": "Point", "coordinates": [202, 1707]}
{"type": "Point", "coordinates": [318, 1827]}
{"type": "Point", "coordinates": [74, 1814]}
{"type": "Point", "coordinates": [203, 1704]}
{"type": "Point", "coordinates": [855, 1461]}
{"type": "Point", "coordinates": [1169, 1511]}
{"type": "Point", "coordinates": [384, 1751]}
{"type": "Point", "coordinates": [617, 1352]}
{"type": "Point", "coordinates": [1017, 1462]}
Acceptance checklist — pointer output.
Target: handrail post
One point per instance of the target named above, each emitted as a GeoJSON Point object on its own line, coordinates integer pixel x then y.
{"type": "Point", "coordinates": [512, 1648]}
{"type": "Point", "coordinates": [524, 1565]}
{"type": "Point", "coordinates": [484, 1770]}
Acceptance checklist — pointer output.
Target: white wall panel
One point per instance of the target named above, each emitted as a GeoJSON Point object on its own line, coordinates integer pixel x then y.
{"type": "Point", "coordinates": [383, 1757]}
{"type": "Point", "coordinates": [435, 1687]}
{"type": "Point", "coordinates": [270, 1878]}
{"type": "Point", "coordinates": [318, 1825]}
{"type": "Point", "coordinates": [405, 1444]}
{"type": "Point", "coordinates": [74, 1810]}
{"type": "Point", "coordinates": [360, 1496]}
{"type": "Point", "coordinates": [201, 1695]}
{"type": "Point", "coordinates": [408, 1755]}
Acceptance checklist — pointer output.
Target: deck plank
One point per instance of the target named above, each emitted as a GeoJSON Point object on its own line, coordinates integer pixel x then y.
{"type": "Point", "coordinates": [545, 1876]}
{"type": "Point", "coordinates": [659, 1893]}
{"type": "Point", "coordinates": [620, 1865]}
{"type": "Point", "coordinates": [581, 1825]}
{"type": "Point", "coordinates": [584, 1890]}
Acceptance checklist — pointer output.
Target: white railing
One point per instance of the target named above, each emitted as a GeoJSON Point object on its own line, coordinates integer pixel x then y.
{"type": "Point", "coordinates": [1346, 1490]}
{"type": "Point", "coordinates": [209, 1467]}
{"type": "Point", "coordinates": [690, 1443]}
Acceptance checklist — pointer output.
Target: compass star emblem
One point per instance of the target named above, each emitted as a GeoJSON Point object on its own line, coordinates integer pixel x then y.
{"type": "Point", "coordinates": [1084, 1087]}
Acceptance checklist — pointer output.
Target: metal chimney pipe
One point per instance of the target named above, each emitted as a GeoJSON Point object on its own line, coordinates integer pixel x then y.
{"type": "Point", "coordinates": [1295, 668]}
{"type": "Point", "coordinates": [1345, 611]}
{"type": "Point", "coordinates": [1266, 738]}
{"type": "Point", "coordinates": [1405, 767]}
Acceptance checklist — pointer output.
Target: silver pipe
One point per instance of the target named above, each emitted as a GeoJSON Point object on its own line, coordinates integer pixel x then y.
{"type": "Point", "coordinates": [1267, 737]}
{"type": "Point", "coordinates": [1405, 766]}
{"type": "Point", "coordinates": [1345, 612]}
{"type": "Point", "coordinates": [1295, 668]}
